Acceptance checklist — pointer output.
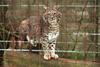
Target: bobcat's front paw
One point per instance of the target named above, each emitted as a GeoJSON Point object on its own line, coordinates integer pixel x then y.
{"type": "Point", "coordinates": [55, 56]}
{"type": "Point", "coordinates": [47, 57]}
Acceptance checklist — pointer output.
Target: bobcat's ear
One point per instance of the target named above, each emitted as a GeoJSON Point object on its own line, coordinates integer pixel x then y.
{"type": "Point", "coordinates": [45, 7]}
{"type": "Point", "coordinates": [56, 7]}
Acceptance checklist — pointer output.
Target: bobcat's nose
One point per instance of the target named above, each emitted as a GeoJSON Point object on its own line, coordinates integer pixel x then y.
{"type": "Point", "coordinates": [52, 18]}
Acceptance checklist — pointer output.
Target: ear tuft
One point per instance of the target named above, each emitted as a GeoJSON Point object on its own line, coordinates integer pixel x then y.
{"type": "Point", "coordinates": [56, 6]}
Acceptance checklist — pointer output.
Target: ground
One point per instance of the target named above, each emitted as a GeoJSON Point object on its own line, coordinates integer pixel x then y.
{"type": "Point", "coordinates": [27, 59]}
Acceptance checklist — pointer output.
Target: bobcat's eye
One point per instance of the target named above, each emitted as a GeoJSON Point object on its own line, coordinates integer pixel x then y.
{"type": "Point", "coordinates": [54, 13]}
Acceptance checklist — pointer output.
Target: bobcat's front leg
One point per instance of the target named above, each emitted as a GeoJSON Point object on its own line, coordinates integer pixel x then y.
{"type": "Point", "coordinates": [52, 51]}
{"type": "Point", "coordinates": [52, 37]}
{"type": "Point", "coordinates": [46, 51]}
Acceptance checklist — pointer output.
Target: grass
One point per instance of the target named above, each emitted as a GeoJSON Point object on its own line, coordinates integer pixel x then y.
{"type": "Point", "coordinates": [26, 59]}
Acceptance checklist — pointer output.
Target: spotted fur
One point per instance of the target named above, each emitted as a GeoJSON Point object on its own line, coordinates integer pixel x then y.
{"type": "Point", "coordinates": [47, 29]}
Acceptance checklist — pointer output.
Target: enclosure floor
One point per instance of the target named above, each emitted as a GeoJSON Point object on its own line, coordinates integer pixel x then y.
{"type": "Point", "coordinates": [27, 59]}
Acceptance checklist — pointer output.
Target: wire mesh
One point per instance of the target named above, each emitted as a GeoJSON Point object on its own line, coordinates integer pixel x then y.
{"type": "Point", "coordinates": [79, 37]}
